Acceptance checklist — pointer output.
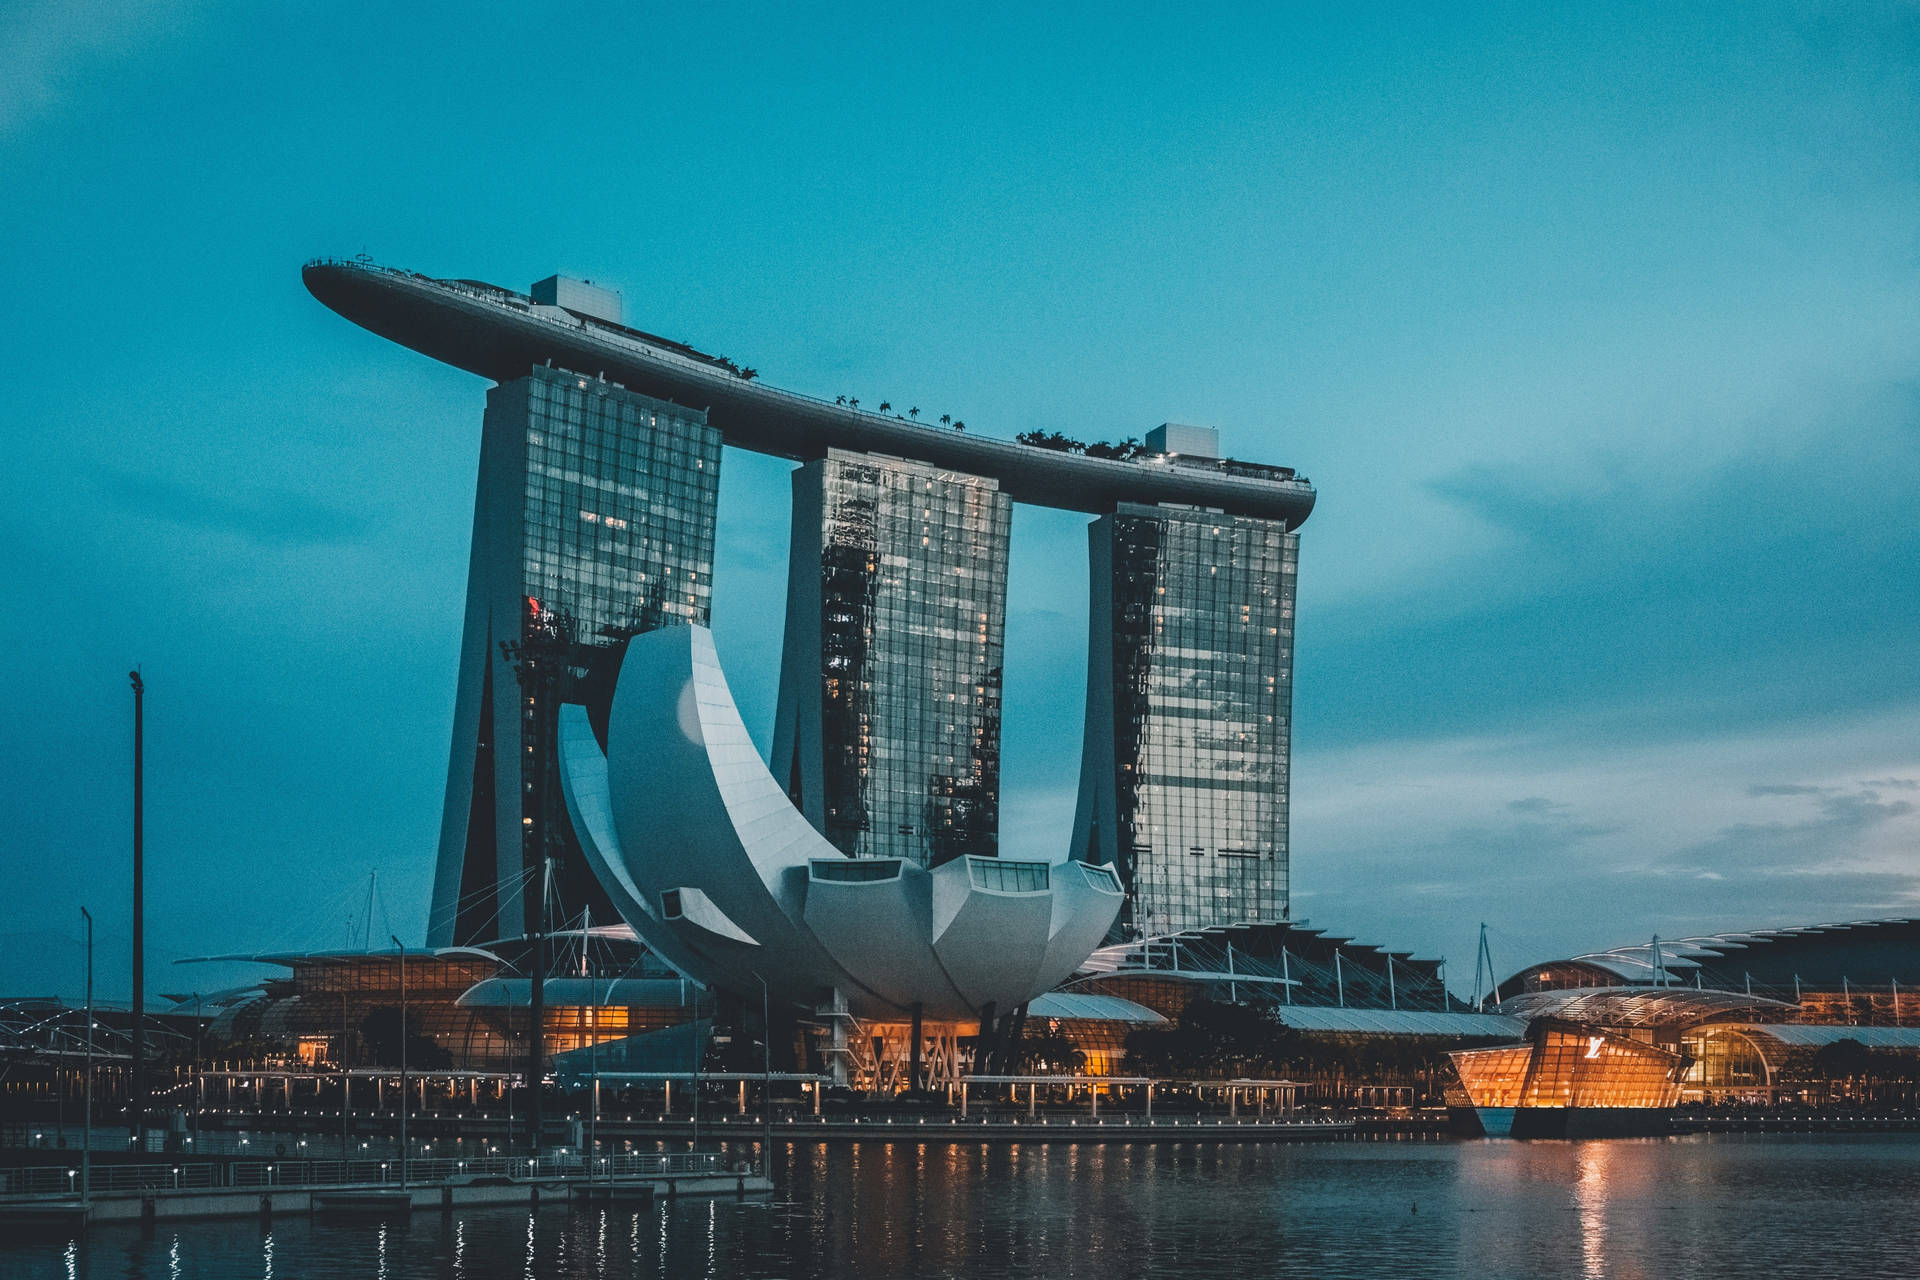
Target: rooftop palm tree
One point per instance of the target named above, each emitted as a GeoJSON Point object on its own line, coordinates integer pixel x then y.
{"type": "Point", "coordinates": [914, 412]}
{"type": "Point", "coordinates": [886, 406]}
{"type": "Point", "coordinates": [945, 419]}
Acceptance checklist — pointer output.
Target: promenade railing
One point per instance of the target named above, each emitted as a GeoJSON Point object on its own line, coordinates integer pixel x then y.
{"type": "Point", "coordinates": [215, 1175]}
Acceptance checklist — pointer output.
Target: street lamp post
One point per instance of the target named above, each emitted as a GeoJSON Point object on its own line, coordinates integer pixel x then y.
{"type": "Point", "coordinates": [86, 1125]}
{"type": "Point", "coordinates": [401, 948]}
{"type": "Point", "coordinates": [138, 1090]}
{"type": "Point", "coordinates": [766, 1082]}
{"type": "Point", "coordinates": [593, 1040]}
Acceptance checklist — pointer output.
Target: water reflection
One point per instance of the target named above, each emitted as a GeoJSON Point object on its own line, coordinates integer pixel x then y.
{"type": "Point", "coordinates": [1695, 1207]}
{"type": "Point", "coordinates": [1590, 1194]}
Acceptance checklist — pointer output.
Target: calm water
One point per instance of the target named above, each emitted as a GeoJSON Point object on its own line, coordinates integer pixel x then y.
{"type": "Point", "coordinates": [1692, 1207]}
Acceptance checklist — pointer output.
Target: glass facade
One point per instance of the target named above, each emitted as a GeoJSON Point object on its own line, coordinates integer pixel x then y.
{"type": "Point", "coordinates": [621, 492]}
{"type": "Point", "coordinates": [1006, 876]}
{"type": "Point", "coordinates": [594, 522]}
{"type": "Point", "coordinates": [1571, 1067]}
{"type": "Point", "coordinates": [1190, 702]}
{"type": "Point", "coordinates": [888, 735]}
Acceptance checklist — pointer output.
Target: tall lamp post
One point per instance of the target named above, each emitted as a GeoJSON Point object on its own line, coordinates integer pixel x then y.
{"type": "Point", "coordinates": [137, 1091]}
{"type": "Point", "coordinates": [86, 1124]}
{"type": "Point", "coordinates": [766, 1082]}
{"type": "Point", "coordinates": [401, 948]}
{"type": "Point", "coordinates": [593, 1040]}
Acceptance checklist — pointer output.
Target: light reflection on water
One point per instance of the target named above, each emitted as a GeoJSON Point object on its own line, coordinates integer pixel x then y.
{"type": "Point", "coordinates": [1626, 1208]}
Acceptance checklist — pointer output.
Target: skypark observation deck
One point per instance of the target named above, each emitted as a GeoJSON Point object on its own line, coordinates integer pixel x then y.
{"type": "Point", "coordinates": [500, 334]}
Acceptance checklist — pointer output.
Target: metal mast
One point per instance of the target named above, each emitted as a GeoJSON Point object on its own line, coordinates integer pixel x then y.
{"type": "Point", "coordinates": [137, 1081]}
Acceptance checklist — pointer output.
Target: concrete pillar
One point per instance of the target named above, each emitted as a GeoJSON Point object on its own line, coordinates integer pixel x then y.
{"type": "Point", "coordinates": [838, 1018]}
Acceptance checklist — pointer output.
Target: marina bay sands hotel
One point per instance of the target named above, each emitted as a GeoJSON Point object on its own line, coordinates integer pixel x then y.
{"type": "Point", "coordinates": [595, 521]}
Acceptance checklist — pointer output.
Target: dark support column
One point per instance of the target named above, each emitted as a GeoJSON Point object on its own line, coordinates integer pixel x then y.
{"type": "Point", "coordinates": [983, 1043]}
{"type": "Point", "coordinates": [914, 1071]}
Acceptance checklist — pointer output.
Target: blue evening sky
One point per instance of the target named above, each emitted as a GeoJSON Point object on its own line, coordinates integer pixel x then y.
{"type": "Point", "coordinates": [1597, 326]}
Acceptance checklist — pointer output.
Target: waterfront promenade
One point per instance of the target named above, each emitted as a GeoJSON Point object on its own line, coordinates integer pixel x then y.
{"type": "Point", "coordinates": [134, 1190]}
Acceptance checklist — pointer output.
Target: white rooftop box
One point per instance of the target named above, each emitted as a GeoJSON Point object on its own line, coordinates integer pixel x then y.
{"type": "Point", "coordinates": [579, 296]}
{"type": "Point", "coordinates": [1178, 437]}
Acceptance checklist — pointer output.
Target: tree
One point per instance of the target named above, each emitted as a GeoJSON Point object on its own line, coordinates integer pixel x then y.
{"type": "Point", "coordinates": [1214, 1038]}
{"type": "Point", "coordinates": [914, 412]}
{"type": "Point", "coordinates": [380, 1031]}
{"type": "Point", "coordinates": [839, 399]}
{"type": "Point", "coordinates": [1051, 440]}
{"type": "Point", "coordinates": [1044, 1051]}
{"type": "Point", "coordinates": [854, 403]}
{"type": "Point", "coordinates": [886, 406]}
{"type": "Point", "coordinates": [946, 419]}
{"type": "Point", "coordinates": [1124, 451]}
{"type": "Point", "coordinates": [959, 426]}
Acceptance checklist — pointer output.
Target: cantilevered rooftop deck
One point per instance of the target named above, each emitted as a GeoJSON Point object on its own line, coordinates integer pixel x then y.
{"type": "Point", "coordinates": [500, 334]}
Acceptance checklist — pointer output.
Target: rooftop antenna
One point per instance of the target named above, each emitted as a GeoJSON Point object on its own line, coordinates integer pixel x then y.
{"type": "Point", "coordinates": [1483, 964]}
{"type": "Point", "coordinates": [373, 889]}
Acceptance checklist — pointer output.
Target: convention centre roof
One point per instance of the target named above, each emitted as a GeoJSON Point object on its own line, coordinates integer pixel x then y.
{"type": "Point", "coordinates": [1400, 1022]}
{"type": "Point", "coordinates": [1088, 1007]}
{"type": "Point", "coordinates": [1637, 1006]}
{"type": "Point", "coordinates": [1819, 956]}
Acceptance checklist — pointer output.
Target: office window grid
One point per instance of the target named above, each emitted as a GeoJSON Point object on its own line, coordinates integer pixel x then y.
{"type": "Point", "coordinates": [913, 596]}
{"type": "Point", "coordinates": [1203, 609]}
{"type": "Point", "coordinates": [621, 496]}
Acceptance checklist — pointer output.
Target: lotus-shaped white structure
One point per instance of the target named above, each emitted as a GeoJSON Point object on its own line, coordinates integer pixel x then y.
{"type": "Point", "coordinates": [717, 871]}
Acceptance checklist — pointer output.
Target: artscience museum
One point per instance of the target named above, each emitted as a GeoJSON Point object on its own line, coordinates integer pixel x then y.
{"type": "Point", "coordinates": [709, 860]}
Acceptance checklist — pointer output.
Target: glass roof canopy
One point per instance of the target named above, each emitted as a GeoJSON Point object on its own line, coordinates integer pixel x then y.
{"type": "Point", "coordinates": [1670, 1007]}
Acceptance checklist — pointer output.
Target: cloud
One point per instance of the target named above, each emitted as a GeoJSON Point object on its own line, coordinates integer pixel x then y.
{"type": "Point", "coordinates": [1536, 805]}
{"type": "Point", "coordinates": [1830, 841]}
{"type": "Point", "coordinates": [1565, 838]}
{"type": "Point", "coordinates": [44, 45]}
{"type": "Point", "coordinates": [1779, 583]}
